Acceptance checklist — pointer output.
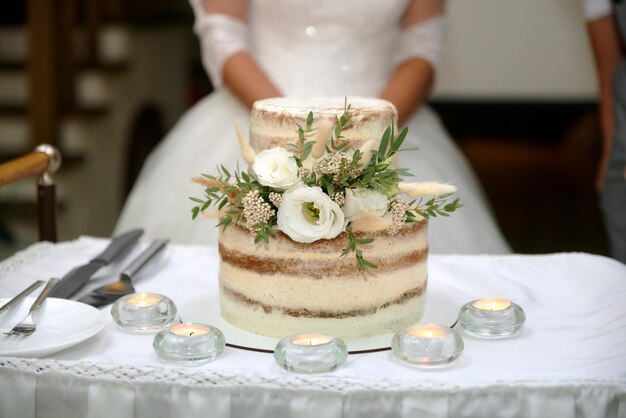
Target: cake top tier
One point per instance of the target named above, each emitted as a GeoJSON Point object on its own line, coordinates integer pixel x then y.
{"type": "Point", "coordinates": [274, 121]}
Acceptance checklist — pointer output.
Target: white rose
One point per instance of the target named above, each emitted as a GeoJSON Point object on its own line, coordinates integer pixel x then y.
{"type": "Point", "coordinates": [307, 214]}
{"type": "Point", "coordinates": [361, 202]}
{"type": "Point", "coordinates": [276, 168]}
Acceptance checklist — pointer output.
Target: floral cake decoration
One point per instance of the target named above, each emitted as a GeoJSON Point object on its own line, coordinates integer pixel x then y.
{"type": "Point", "coordinates": [321, 187]}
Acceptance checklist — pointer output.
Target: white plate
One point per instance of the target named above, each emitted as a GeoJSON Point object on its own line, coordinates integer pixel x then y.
{"type": "Point", "coordinates": [206, 308]}
{"type": "Point", "coordinates": [61, 323]}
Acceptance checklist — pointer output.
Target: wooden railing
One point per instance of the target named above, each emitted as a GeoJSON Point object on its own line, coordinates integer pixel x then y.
{"type": "Point", "coordinates": [43, 162]}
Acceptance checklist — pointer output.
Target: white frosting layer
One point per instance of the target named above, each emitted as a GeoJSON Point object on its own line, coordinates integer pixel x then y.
{"type": "Point", "coordinates": [274, 121]}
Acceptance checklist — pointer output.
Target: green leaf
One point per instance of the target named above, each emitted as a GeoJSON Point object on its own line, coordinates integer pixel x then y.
{"type": "Point", "coordinates": [195, 199]}
{"type": "Point", "coordinates": [384, 141]}
{"type": "Point", "coordinates": [245, 176]}
{"type": "Point", "coordinates": [364, 240]}
{"type": "Point", "coordinates": [194, 212]}
{"type": "Point", "coordinates": [205, 205]}
{"type": "Point", "coordinates": [225, 221]}
{"type": "Point", "coordinates": [309, 119]}
{"type": "Point", "coordinates": [330, 188]}
{"type": "Point", "coordinates": [222, 203]}
{"type": "Point", "coordinates": [399, 140]}
{"type": "Point", "coordinates": [307, 148]}
{"type": "Point", "coordinates": [225, 170]}
{"type": "Point", "coordinates": [368, 264]}
{"type": "Point", "coordinates": [382, 166]}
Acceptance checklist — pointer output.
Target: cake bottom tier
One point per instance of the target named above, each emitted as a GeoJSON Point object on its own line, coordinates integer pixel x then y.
{"type": "Point", "coordinates": [276, 321]}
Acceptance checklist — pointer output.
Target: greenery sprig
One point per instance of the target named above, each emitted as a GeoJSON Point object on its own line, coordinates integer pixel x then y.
{"type": "Point", "coordinates": [303, 147]}
{"type": "Point", "coordinates": [352, 246]}
{"type": "Point", "coordinates": [436, 206]}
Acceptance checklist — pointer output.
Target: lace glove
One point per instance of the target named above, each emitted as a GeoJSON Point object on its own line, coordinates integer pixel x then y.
{"type": "Point", "coordinates": [221, 36]}
{"type": "Point", "coordinates": [422, 39]}
{"type": "Point", "coordinates": [595, 9]}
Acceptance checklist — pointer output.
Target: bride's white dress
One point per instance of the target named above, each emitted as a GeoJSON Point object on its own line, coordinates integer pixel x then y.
{"type": "Point", "coordinates": [308, 48]}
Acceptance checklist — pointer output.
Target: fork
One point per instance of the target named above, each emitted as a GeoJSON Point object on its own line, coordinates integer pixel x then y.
{"type": "Point", "coordinates": [27, 326]}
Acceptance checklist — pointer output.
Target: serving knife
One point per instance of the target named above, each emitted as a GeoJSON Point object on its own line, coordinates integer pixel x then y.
{"type": "Point", "coordinates": [77, 277]}
{"type": "Point", "coordinates": [109, 293]}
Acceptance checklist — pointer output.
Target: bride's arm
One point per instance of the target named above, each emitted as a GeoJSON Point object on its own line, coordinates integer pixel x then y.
{"type": "Point", "coordinates": [419, 50]}
{"type": "Point", "coordinates": [606, 48]}
{"type": "Point", "coordinates": [221, 27]}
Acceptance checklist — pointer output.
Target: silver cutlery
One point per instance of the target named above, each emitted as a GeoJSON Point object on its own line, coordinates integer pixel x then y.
{"type": "Point", "coordinates": [109, 293]}
{"type": "Point", "coordinates": [18, 298]}
{"type": "Point", "coordinates": [27, 326]}
{"type": "Point", "coordinates": [120, 245]}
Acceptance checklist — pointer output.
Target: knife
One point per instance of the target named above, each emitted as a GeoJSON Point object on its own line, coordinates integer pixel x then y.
{"type": "Point", "coordinates": [77, 277]}
{"type": "Point", "coordinates": [109, 293]}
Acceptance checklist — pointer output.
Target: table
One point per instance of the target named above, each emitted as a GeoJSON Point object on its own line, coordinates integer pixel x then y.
{"type": "Point", "coordinates": [568, 361]}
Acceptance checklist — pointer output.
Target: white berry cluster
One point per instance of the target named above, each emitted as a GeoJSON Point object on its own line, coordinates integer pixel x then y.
{"type": "Point", "coordinates": [398, 215]}
{"type": "Point", "coordinates": [330, 164]}
{"type": "Point", "coordinates": [256, 210]}
{"type": "Point", "coordinates": [339, 198]}
{"type": "Point", "coordinates": [276, 199]}
{"type": "Point", "coordinates": [304, 172]}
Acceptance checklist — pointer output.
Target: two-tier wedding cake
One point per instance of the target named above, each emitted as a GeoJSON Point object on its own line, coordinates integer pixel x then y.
{"type": "Point", "coordinates": [320, 233]}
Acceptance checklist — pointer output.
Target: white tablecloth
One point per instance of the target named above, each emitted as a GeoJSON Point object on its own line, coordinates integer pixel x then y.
{"type": "Point", "coordinates": [568, 361]}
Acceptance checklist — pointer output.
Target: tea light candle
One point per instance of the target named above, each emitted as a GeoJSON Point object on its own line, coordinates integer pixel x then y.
{"type": "Point", "coordinates": [311, 339]}
{"type": "Point", "coordinates": [189, 330]}
{"type": "Point", "coordinates": [492, 304]}
{"type": "Point", "coordinates": [426, 330]}
{"type": "Point", "coordinates": [492, 317]}
{"type": "Point", "coordinates": [189, 343]}
{"type": "Point", "coordinates": [143, 312]}
{"type": "Point", "coordinates": [310, 353]}
{"type": "Point", "coordinates": [427, 345]}
{"type": "Point", "coordinates": [144, 299]}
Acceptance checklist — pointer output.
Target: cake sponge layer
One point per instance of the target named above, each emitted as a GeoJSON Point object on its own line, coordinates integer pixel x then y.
{"type": "Point", "coordinates": [283, 286]}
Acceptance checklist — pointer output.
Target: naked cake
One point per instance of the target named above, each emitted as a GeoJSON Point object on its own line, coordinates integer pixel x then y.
{"type": "Point", "coordinates": [315, 235]}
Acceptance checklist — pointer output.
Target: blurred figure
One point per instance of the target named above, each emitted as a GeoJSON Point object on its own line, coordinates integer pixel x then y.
{"type": "Point", "coordinates": [305, 48]}
{"type": "Point", "coordinates": [607, 31]}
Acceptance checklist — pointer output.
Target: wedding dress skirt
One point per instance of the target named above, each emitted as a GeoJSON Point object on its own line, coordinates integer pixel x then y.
{"type": "Point", "coordinates": [205, 137]}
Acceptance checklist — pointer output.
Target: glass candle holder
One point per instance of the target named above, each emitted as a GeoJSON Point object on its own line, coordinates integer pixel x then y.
{"type": "Point", "coordinates": [143, 312]}
{"type": "Point", "coordinates": [189, 343]}
{"type": "Point", "coordinates": [310, 353]}
{"type": "Point", "coordinates": [427, 344]}
{"type": "Point", "coordinates": [492, 317]}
